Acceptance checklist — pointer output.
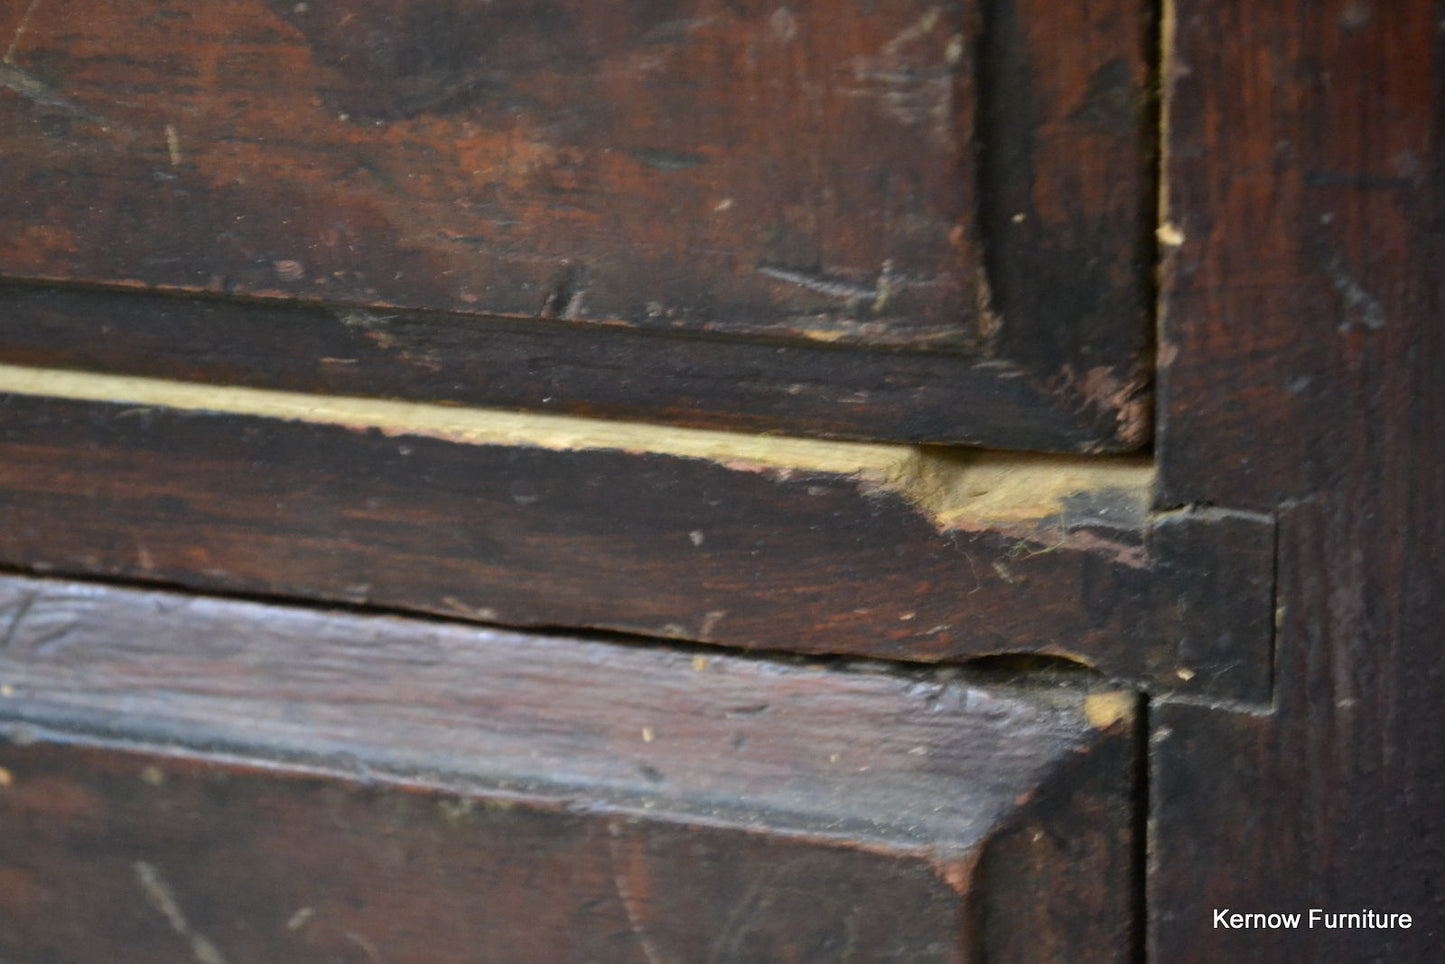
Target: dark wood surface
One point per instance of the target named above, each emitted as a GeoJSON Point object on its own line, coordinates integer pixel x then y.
{"type": "Point", "coordinates": [1281, 602]}
{"type": "Point", "coordinates": [721, 551]}
{"type": "Point", "coordinates": [692, 164]}
{"type": "Point", "coordinates": [726, 383]}
{"type": "Point", "coordinates": [441, 792]}
{"type": "Point", "coordinates": [1300, 369]}
{"type": "Point", "coordinates": [966, 179]}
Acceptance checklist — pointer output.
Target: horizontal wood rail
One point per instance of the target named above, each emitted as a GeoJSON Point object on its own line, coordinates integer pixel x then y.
{"type": "Point", "coordinates": [891, 551]}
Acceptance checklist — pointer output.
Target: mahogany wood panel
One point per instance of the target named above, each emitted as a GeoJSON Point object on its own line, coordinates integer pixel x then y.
{"type": "Point", "coordinates": [441, 792]}
{"type": "Point", "coordinates": [1301, 359]}
{"type": "Point", "coordinates": [723, 551]}
{"type": "Point", "coordinates": [965, 177]}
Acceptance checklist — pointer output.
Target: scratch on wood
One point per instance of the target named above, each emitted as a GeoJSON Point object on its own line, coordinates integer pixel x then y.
{"type": "Point", "coordinates": [821, 284]}
{"type": "Point", "coordinates": [660, 160]}
{"type": "Point", "coordinates": [754, 900]}
{"type": "Point", "coordinates": [624, 893]}
{"type": "Point", "coordinates": [38, 92]}
{"type": "Point", "coordinates": [888, 284]}
{"type": "Point", "coordinates": [917, 30]}
{"type": "Point", "coordinates": [911, 91]}
{"type": "Point", "coordinates": [366, 946]}
{"type": "Point", "coordinates": [1365, 305]}
{"type": "Point", "coordinates": [21, 611]}
{"type": "Point", "coordinates": [20, 29]}
{"type": "Point", "coordinates": [159, 895]}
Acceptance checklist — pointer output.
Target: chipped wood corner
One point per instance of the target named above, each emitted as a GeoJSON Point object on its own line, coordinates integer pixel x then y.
{"type": "Point", "coordinates": [956, 489]}
{"type": "Point", "coordinates": [990, 490]}
{"type": "Point", "coordinates": [1105, 710]}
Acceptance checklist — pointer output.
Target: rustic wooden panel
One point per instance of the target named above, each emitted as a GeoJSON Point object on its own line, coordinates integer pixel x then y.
{"type": "Point", "coordinates": [1301, 369]}
{"type": "Point", "coordinates": [553, 367]}
{"type": "Point", "coordinates": [447, 787]}
{"type": "Point", "coordinates": [877, 174]}
{"type": "Point", "coordinates": [727, 547]}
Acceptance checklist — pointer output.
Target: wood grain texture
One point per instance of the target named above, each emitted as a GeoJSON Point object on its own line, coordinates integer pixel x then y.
{"type": "Point", "coordinates": [960, 177]}
{"type": "Point", "coordinates": [1300, 370]}
{"type": "Point", "coordinates": [263, 866]}
{"type": "Point", "coordinates": [971, 820]}
{"type": "Point", "coordinates": [1309, 250]}
{"type": "Point", "coordinates": [688, 164]}
{"type": "Point", "coordinates": [529, 365]}
{"type": "Point", "coordinates": [729, 551]}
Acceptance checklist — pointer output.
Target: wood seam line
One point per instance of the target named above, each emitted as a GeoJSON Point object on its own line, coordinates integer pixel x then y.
{"type": "Point", "coordinates": [956, 488]}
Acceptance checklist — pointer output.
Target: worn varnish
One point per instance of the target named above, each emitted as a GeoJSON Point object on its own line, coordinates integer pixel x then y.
{"type": "Point", "coordinates": [1300, 370]}
{"type": "Point", "coordinates": [958, 177]}
{"type": "Point", "coordinates": [430, 783]}
{"type": "Point", "coordinates": [807, 546]}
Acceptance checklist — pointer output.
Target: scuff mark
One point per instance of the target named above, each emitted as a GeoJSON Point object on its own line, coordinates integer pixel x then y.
{"type": "Point", "coordinates": [372, 325]}
{"type": "Point", "coordinates": [878, 294]}
{"type": "Point", "coordinates": [885, 286]}
{"type": "Point", "coordinates": [566, 299]}
{"type": "Point", "coordinates": [755, 899]}
{"type": "Point", "coordinates": [956, 871]}
{"type": "Point", "coordinates": [911, 90]}
{"type": "Point", "coordinates": [661, 160]}
{"type": "Point", "coordinates": [989, 322]}
{"type": "Point", "coordinates": [1101, 388]}
{"type": "Point", "coordinates": [783, 24]}
{"type": "Point", "coordinates": [20, 29]}
{"type": "Point", "coordinates": [1361, 302]}
{"type": "Point", "coordinates": [36, 91]}
{"type": "Point", "coordinates": [1006, 574]}
{"type": "Point", "coordinates": [675, 31]}
{"type": "Point", "coordinates": [159, 895]}
{"type": "Point", "coordinates": [485, 613]}
{"type": "Point", "coordinates": [917, 30]}
{"type": "Point", "coordinates": [910, 96]}
{"type": "Point", "coordinates": [366, 946]}
{"type": "Point", "coordinates": [21, 611]}
{"type": "Point", "coordinates": [173, 145]}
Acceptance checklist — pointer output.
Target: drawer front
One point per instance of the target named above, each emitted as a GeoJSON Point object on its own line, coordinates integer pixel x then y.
{"type": "Point", "coordinates": [417, 791]}
{"type": "Point", "coordinates": [966, 181]}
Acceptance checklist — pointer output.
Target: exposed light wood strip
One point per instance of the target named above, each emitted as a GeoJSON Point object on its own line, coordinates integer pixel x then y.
{"type": "Point", "coordinates": [956, 488]}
